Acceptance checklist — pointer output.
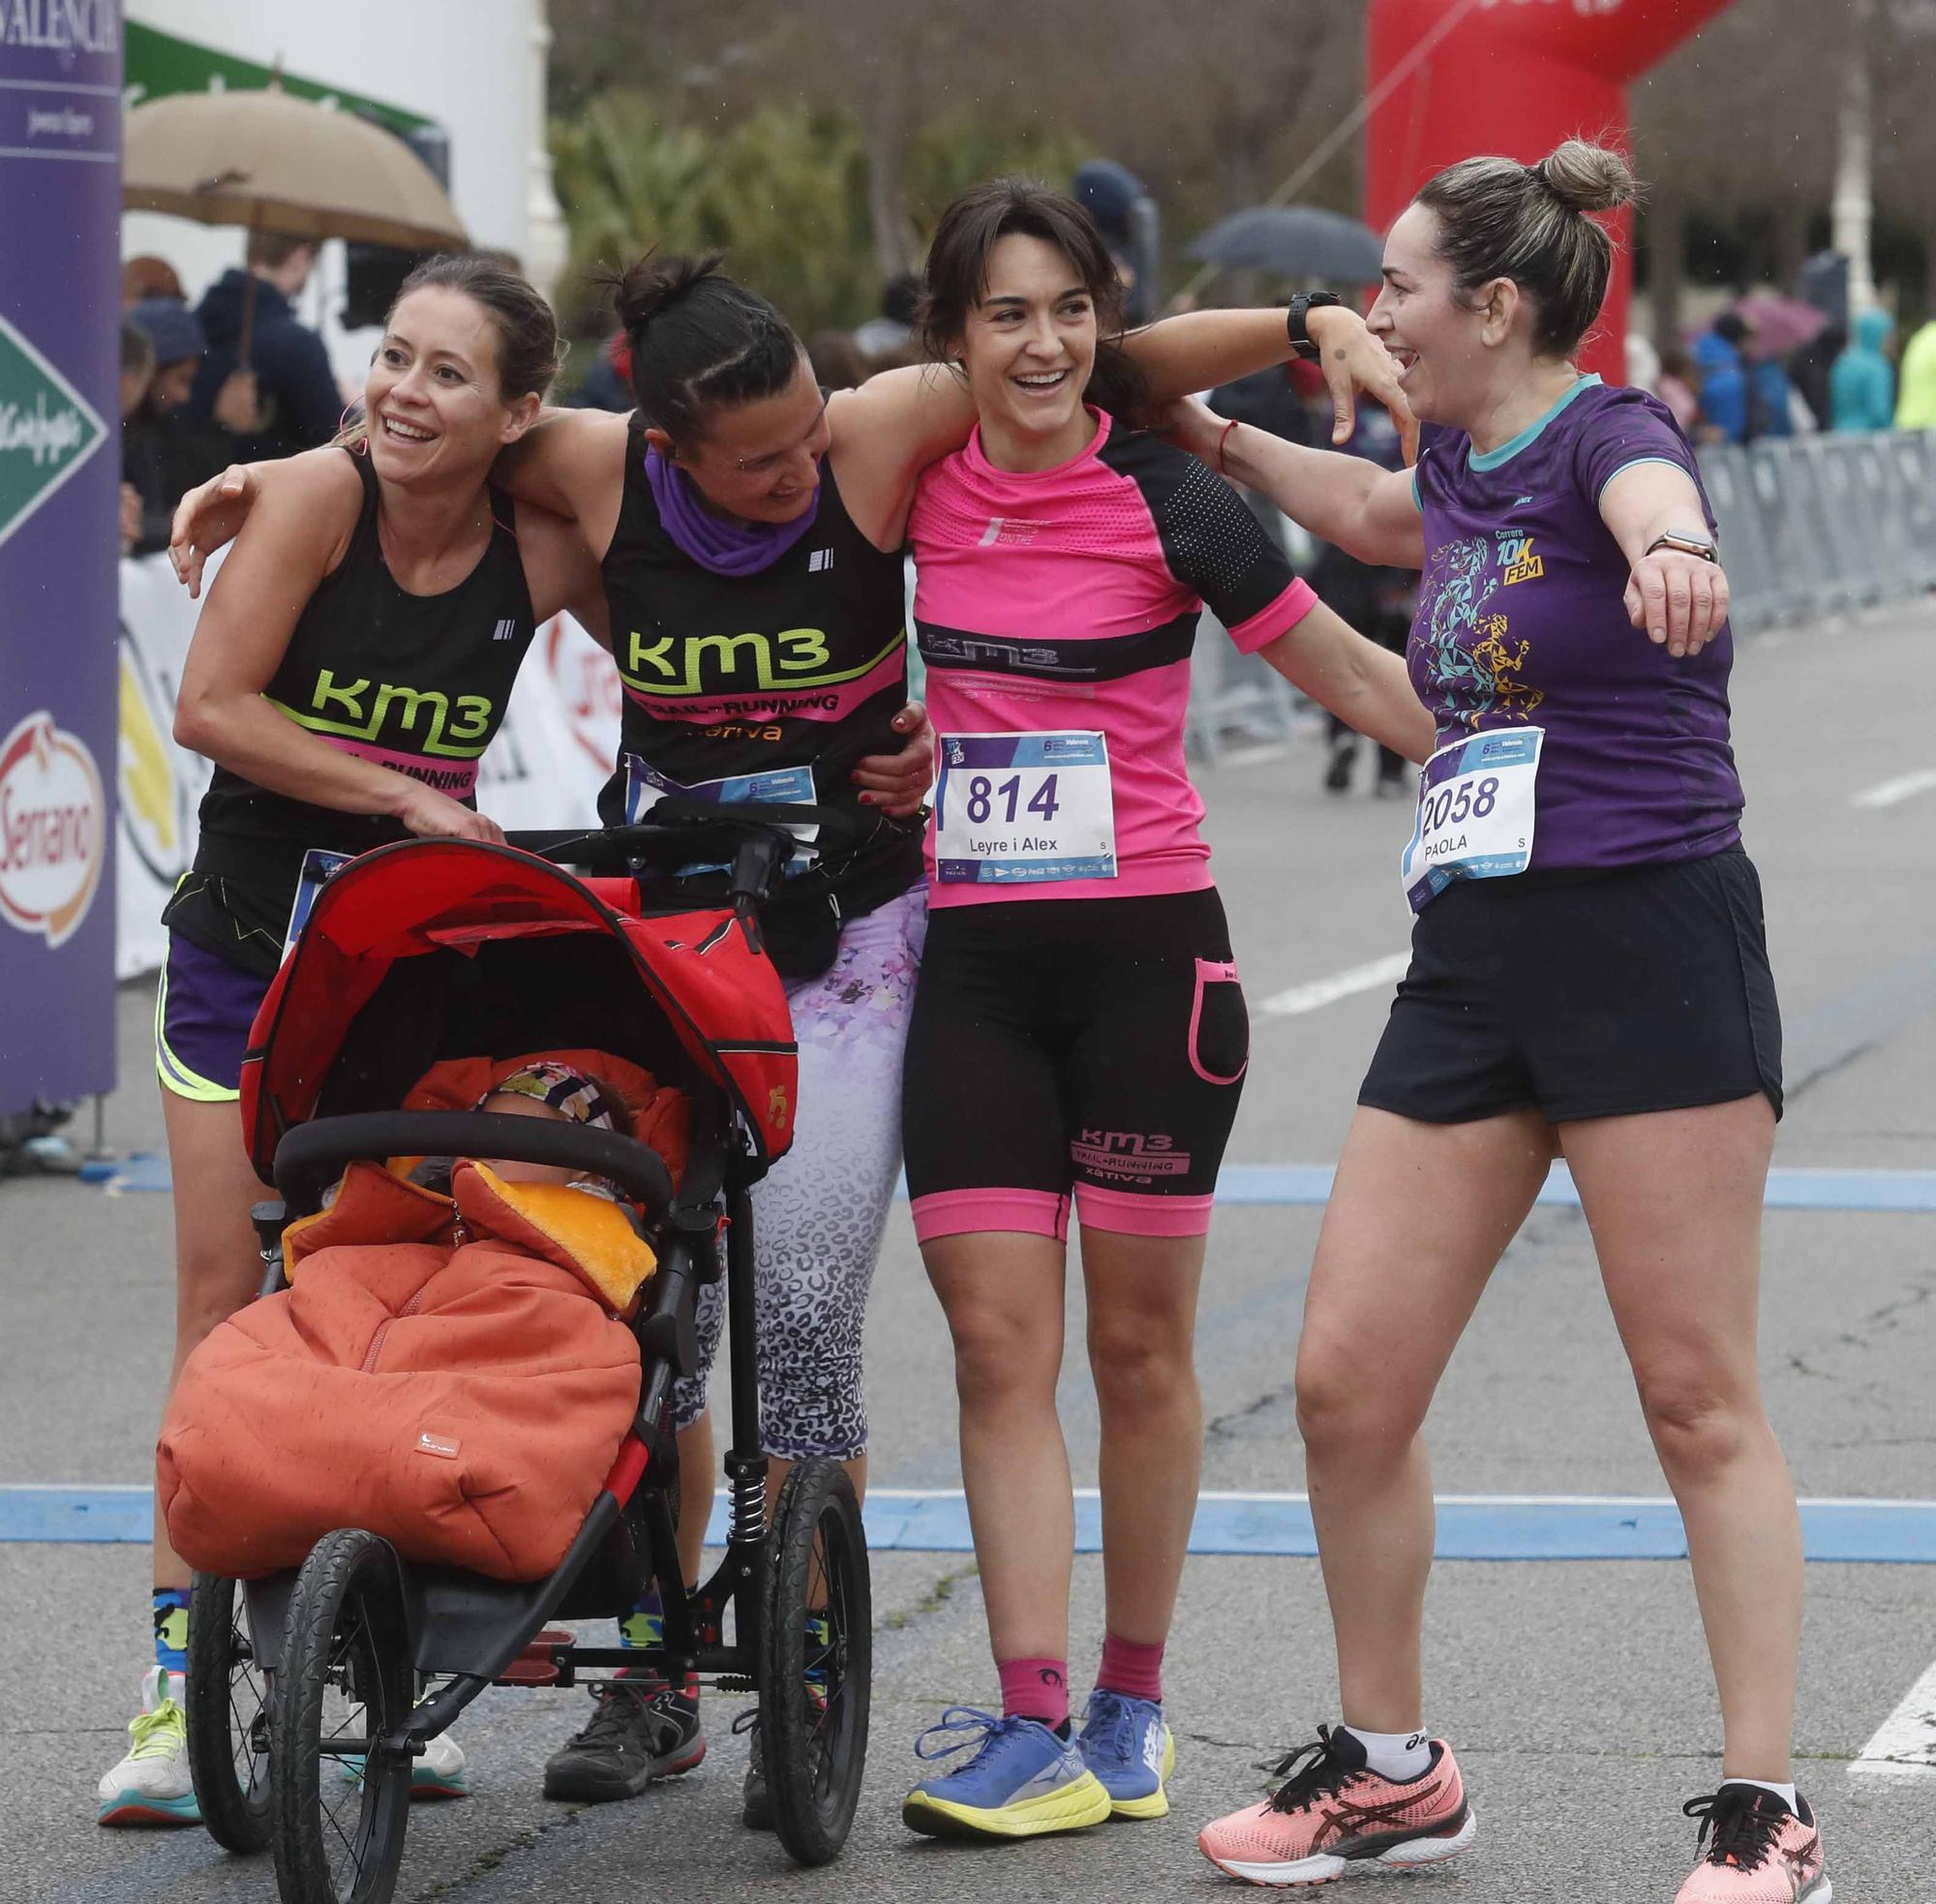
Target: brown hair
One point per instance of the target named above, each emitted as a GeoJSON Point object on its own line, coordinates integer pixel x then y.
{"type": "Point", "coordinates": [1501, 219]}
{"type": "Point", "coordinates": [529, 352]}
{"type": "Point", "coordinates": [971, 226]}
{"type": "Point", "coordinates": [148, 276]}
{"type": "Point", "coordinates": [700, 341]}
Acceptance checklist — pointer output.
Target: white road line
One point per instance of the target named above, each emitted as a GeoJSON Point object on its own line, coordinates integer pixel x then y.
{"type": "Point", "coordinates": [1905, 786]}
{"type": "Point", "coordinates": [1339, 984]}
{"type": "Point", "coordinates": [1905, 1744]}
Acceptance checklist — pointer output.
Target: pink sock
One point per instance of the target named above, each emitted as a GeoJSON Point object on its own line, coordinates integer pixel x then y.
{"type": "Point", "coordinates": [1129, 1667]}
{"type": "Point", "coordinates": [1035, 1689]}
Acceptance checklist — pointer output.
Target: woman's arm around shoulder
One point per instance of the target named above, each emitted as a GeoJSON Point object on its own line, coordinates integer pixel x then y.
{"type": "Point", "coordinates": [1368, 511]}
{"type": "Point", "coordinates": [571, 462]}
{"type": "Point", "coordinates": [561, 572]}
{"type": "Point", "coordinates": [1679, 599]}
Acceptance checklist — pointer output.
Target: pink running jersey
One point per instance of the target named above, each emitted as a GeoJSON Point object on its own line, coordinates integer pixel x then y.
{"type": "Point", "coordinates": [1066, 598]}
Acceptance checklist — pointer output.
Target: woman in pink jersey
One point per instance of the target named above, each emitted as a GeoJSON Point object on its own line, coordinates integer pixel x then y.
{"type": "Point", "coordinates": [1078, 1031]}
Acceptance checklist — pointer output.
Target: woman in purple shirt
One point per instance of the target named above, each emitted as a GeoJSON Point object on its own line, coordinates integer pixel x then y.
{"type": "Point", "coordinates": [1589, 980]}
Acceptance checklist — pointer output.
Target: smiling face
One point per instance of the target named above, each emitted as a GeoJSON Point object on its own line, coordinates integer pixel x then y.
{"type": "Point", "coordinates": [1446, 345]}
{"type": "Point", "coordinates": [759, 460]}
{"type": "Point", "coordinates": [435, 406]}
{"type": "Point", "coordinates": [1028, 345]}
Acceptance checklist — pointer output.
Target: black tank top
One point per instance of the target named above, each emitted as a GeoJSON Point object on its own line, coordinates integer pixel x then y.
{"type": "Point", "coordinates": [802, 664]}
{"type": "Point", "coordinates": [415, 682]}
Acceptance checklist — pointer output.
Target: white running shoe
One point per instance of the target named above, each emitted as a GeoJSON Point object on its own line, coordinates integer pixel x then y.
{"type": "Point", "coordinates": [151, 1784]}
{"type": "Point", "coordinates": [439, 1774]}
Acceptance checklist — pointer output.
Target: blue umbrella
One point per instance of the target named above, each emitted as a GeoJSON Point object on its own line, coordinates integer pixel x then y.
{"type": "Point", "coordinates": [1294, 241]}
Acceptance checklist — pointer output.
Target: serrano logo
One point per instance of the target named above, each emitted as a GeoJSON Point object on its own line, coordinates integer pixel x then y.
{"type": "Point", "coordinates": [53, 820]}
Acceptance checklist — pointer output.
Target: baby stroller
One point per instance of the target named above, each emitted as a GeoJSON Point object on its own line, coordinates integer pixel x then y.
{"type": "Point", "coordinates": [304, 1704]}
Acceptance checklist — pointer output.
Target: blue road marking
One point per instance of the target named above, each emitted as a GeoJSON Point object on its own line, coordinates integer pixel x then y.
{"type": "Point", "coordinates": [1283, 1186]}
{"type": "Point", "coordinates": [1471, 1527]}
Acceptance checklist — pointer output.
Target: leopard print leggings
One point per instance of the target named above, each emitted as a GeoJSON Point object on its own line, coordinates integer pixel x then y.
{"type": "Point", "coordinates": [819, 1215]}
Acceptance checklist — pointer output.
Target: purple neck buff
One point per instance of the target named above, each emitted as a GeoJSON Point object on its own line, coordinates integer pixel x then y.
{"type": "Point", "coordinates": [725, 548]}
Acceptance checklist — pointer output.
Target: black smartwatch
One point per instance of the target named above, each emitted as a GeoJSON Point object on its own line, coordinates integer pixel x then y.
{"type": "Point", "coordinates": [1301, 306]}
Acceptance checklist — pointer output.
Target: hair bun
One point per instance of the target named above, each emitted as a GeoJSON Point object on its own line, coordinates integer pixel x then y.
{"type": "Point", "coordinates": [1588, 178]}
{"type": "Point", "coordinates": [656, 283]}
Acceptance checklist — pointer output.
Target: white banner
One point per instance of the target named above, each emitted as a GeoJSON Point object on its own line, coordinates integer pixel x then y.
{"type": "Point", "coordinates": [553, 753]}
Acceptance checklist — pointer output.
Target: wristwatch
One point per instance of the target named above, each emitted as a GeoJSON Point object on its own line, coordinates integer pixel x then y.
{"type": "Point", "coordinates": [1684, 544]}
{"type": "Point", "coordinates": [1300, 307]}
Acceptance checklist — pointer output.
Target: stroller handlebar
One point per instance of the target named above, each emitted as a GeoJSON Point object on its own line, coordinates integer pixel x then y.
{"type": "Point", "coordinates": [755, 837]}
{"type": "Point", "coordinates": [312, 1155]}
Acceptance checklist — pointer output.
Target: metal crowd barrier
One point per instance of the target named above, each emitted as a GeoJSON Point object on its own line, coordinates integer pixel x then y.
{"type": "Point", "coordinates": [1815, 525]}
{"type": "Point", "coordinates": [1811, 527]}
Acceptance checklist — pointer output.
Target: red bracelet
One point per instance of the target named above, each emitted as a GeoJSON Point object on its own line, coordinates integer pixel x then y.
{"type": "Point", "coordinates": [1222, 440]}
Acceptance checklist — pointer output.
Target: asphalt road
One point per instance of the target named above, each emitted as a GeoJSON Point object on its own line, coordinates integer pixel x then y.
{"type": "Point", "coordinates": [1576, 1692]}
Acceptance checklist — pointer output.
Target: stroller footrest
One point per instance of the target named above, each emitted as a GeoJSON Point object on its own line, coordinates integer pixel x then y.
{"type": "Point", "coordinates": [546, 1661]}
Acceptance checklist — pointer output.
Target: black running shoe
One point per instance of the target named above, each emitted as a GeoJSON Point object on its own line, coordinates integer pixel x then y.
{"type": "Point", "coordinates": [1338, 775]}
{"type": "Point", "coordinates": [637, 1733]}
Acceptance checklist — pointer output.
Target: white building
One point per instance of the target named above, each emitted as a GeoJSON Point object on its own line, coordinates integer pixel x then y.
{"type": "Point", "coordinates": [474, 69]}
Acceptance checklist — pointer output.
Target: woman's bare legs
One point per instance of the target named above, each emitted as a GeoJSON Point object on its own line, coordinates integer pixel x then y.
{"type": "Point", "coordinates": [1142, 1333]}
{"type": "Point", "coordinates": [1418, 1216]}
{"type": "Point", "coordinates": [1675, 1201]}
{"type": "Point", "coordinates": [1002, 1294]}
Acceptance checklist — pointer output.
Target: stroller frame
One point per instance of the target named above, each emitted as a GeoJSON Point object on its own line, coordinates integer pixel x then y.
{"type": "Point", "coordinates": [472, 1632]}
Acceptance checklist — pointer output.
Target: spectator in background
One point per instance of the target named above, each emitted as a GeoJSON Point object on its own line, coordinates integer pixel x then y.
{"type": "Point", "coordinates": [1916, 403]}
{"type": "Point", "coordinates": [839, 361]}
{"type": "Point", "coordinates": [1861, 387]}
{"type": "Point", "coordinates": [147, 277]}
{"type": "Point", "coordinates": [608, 383]}
{"type": "Point", "coordinates": [1724, 381]}
{"type": "Point", "coordinates": [1810, 368]}
{"type": "Point", "coordinates": [300, 406]}
{"type": "Point", "coordinates": [138, 372]}
{"type": "Point", "coordinates": [1679, 383]}
{"type": "Point", "coordinates": [891, 332]}
{"type": "Point", "coordinates": [164, 450]}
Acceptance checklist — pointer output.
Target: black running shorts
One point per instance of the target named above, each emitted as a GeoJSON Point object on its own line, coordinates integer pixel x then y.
{"type": "Point", "coordinates": [1093, 1047]}
{"type": "Point", "coordinates": [1585, 994]}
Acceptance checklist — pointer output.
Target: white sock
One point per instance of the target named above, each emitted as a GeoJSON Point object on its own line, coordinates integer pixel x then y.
{"type": "Point", "coordinates": [1395, 1755]}
{"type": "Point", "coordinates": [1785, 1793]}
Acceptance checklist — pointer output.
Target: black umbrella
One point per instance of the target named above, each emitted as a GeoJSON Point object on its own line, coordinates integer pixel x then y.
{"type": "Point", "coordinates": [1295, 241]}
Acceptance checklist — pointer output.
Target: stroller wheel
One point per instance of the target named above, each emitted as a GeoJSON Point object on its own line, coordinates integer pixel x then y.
{"type": "Point", "coordinates": [816, 1661]}
{"type": "Point", "coordinates": [340, 1840]}
{"type": "Point", "coordinates": [227, 1706]}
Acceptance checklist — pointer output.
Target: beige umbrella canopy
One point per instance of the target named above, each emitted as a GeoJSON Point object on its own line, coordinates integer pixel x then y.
{"type": "Point", "coordinates": [274, 163]}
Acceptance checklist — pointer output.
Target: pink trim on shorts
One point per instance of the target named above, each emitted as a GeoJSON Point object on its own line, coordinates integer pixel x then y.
{"type": "Point", "coordinates": [1135, 1215]}
{"type": "Point", "coordinates": [968, 1212]}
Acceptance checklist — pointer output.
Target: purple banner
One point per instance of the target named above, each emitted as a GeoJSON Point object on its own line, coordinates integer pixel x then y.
{"type": "Point", "coordinates": [60, 476]}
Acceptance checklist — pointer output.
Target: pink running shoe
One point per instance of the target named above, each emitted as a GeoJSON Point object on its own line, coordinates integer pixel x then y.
{"type": "Point", "coordinates": [1333, 1814]}
{"type": "Point", "coordinates": [1755, 1851]}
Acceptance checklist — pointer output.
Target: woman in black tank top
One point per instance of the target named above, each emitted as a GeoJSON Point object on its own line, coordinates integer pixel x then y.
{"type": "Point", "coordinates": [352, 664]}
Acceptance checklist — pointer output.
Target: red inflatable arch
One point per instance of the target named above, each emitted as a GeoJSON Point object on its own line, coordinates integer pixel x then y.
{"type": "Point", "coordinates": [1515, 77]}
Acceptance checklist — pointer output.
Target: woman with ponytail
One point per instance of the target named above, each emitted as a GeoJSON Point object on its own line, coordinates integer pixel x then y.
{"type": "Point", "coordinates": [1590, 980]}
{"type": "Point", "coordinates": [749, 527]}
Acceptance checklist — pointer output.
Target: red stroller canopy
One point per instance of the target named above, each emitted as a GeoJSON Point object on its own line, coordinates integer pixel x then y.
{"type": "Point", "coordinates": [722, 999]}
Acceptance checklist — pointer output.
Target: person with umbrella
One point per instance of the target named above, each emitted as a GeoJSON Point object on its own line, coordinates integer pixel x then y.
{"type": "Point", "coordinates": [301, 406]}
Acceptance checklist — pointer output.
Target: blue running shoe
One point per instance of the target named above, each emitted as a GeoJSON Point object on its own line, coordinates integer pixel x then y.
{"type": "Point", "coordinates": [1125, 1742]}
{"type": "Point", "coordinates": [1022, 1782]}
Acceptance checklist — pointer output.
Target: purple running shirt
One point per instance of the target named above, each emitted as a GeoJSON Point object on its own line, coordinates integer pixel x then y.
{"type": "Point", "coordinates": [1520, 622]}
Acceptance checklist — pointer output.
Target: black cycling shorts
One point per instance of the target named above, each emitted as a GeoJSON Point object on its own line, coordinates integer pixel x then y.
{"type": "Point", "coordinates": [1585, 994]}
{"type": "Point", "coordinates": [1093, 1047]}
